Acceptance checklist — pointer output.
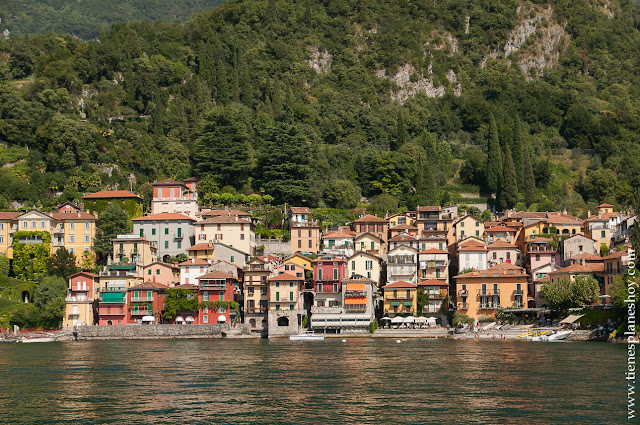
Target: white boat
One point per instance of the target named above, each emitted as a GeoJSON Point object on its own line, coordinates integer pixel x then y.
{"type": "Point", "coordinates": [560, 335]}
{"type": "Point", "coordinates": [43, 339]}
{"type": "Point", "coordinates": [309, 336]}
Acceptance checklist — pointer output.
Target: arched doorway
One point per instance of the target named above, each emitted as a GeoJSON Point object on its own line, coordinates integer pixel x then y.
{"type": "Point", "coordinates": [283, 321]}
{"type": "Point", "coordinates": [25, 297]}
{"type": "Point", "coordinates": [109, 323]}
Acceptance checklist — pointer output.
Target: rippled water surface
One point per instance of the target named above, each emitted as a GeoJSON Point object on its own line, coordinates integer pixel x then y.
{"type": "Point", "coordinates": [283, 382]}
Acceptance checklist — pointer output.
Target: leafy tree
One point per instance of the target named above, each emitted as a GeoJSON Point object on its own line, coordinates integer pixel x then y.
{"type": "Point", "coordinates": [459, 320]}
{"type": "Point", "coordinates": [285, 164]}
{"type": "Point", "coordinates": [4, 265]}
{"type": "Point", "coordinates": [517, 152]}
{"type": "Point", "coordinates": [341, 194]}
{"type": "Point", "coordinates": [223, 147]}
{"type": "Point", "coordinates": [401, 135]}
{"type": "Point", "coordinates": [62, 263]}
{"type": "Point", "coordinates": [49, 300]}
{"type": "Point", "coordinates": [494, 161]}
{"type": "Point", "coordinates": [383, 204]}
{"type": "Point", "coordinates": [565, 294]}
{"type": "Point", "coordinates": [178, 299]}
{"type": "Point", "coordinates": [111, 223]}
{"type": "Point", "coordinates": [88, 261]}
{"type": "Point", "coordinates": [635, 228]}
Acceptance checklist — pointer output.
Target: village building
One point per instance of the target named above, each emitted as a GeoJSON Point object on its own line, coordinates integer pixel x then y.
{"type": "Point", "coordinates": [81, 293]}
{"type": "Point", "coordinates": [402, 264]}
{"type": "Point", "coordinates": [400, 298]}
{"type": "Point", "coordinates": [165, 273]}
{"type": "Point", "coordinates": [170, 233]}
{"type": "Point", "coordinates": [256, 293]}
{"type": "Point", "coordinates": [434, 265]}
{"type": "Point", "coordinates": [367, 265]}
{"type": "Point", "coordinates": [203, 251]}
{"type": "Point", "coordinates": [170, 196]}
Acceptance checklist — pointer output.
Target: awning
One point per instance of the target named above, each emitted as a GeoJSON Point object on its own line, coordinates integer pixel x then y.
{"type": "Point", "coordinates": [189, 319]}
{"type": "Point", "coordinates": [148, 318]}
{"type": "Point", "coordinates": [409, 319]}
{"type": "Point", "coordinates": [408, 303]}
{"type": "Point", "coordinates": [179, 319]}
{"type": "Point", "coordinates": [355, 301]}
{"type": "Point", "coordinates": [222, 319]}
{"type": "Point", "coordinates": [572, 318]}
{"type": "Point", "coordinates": [395, 303]}
{"type": "Point", "coordinates": [385, 318]}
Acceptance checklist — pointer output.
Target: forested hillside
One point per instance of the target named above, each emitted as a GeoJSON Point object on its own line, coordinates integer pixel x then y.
{"type": "Point", "coordinates": [86, 18]}
{"type": "Point", "coordinates": [322, 102]}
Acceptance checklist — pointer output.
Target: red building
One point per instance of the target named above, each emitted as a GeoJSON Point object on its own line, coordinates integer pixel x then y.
{"type": "Point", "coordinates": [216, 286]}
{"type": "Point", "coordinates": [145, 301]}
{"type": "Point", "coordinates": [328, 272]}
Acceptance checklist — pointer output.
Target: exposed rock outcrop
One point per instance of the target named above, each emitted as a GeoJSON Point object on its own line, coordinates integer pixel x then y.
{"type": "Point", "coordinates": [320, 61]}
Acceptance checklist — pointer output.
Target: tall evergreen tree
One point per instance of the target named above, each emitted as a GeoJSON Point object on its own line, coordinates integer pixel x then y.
{"type": "Point", "coordinates": [223, 147]}
{"type": "Point", "coordinates": [286, 164]}
{"type": "Point", "coordinates": [401, 135]}
{"type": "Point", "coordinates": [222, 81]}
{"type": "Point", "coordinates": [235, 78]}
{"type": "Point", "coordinates": [426, 184]}
{"type": "Point", "coordinates": [494, 162]}
{"type": "Point", "coordinates": [508, 185]}
{"type": "Point", "coordinates": [517, 152]}
{"type": "Point", "coordinates": [529, 178]}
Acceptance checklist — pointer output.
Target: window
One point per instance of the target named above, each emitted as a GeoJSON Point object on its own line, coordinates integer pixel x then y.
{"type": "Point", "coordinates": [321, 303]}
{"type": "Point", "coordinates": [290, 306]}
{"type": "Point", "coordinates": [205, 319]}
{"type": "Point", "coordinates": [232, 257]}
{"type": "Point", "coordinates": [149, 271]}
{"type": "Point", "coordinates": [202, 237]}
{"type": "Point", "coordinates": [309, 243]}
{"type": "Point", "coordinates": [477, 224]}
{"type": "Point", "coordinates": [495, 255]}
{"type": "Point", "coordinates": [277, 307]}
{"type": "Point", "coordinates": [221, 295]}
{"type": "Point", "coordinates": [477, 233]}
{"type": "Point", "coordinates": [369, 265]}
{"type": "Point", "coordinates": [462, 234]}
{"type": "Point", "coordinates": [250, 291]}
{"type": "Point", "coordinates": [290, 284]}
{"type": "Point", "coordinates": [580, 248]}
{"type": "Point", "coordinates": [166, 244]}
{"type": "Point", "coordinates": [537, 257]}
{"type": "Point", "coordinates": [157, 271]}
{"type": "Point", "coordinates": [179, 244]}
{"type": "Point", "coordinates": [462, 224]}
{"type": "Point", "coordinates": [153, 231]}
{"type": "Point", "coordinates": [277, 295]}
{"type": "Point", "coordinates": [353, 265]}
{"type": "Point", "coordinates": [87, 225]}
{"type": "Point", "coordinates": [72, 225]}
{"type": "Point", "coordinates": [205, 296]}
{"type": "Point", "coordinates": [310, 233]}
{"type": "Point", "coordinates": [219, 227]}
{"type": "Point", "coordinates": [335, 275]}
{"type": "Point", "coordinates": [368, 275]}
{"type": "Point", "coordinates": [241, 236]}
{"type": "Point", "coordinates": [141, 232]}
{"type": "Point", "coordinates": [290, 296]}
{"type": "Point", "coordinates": [319, 274]}
{"type": "Point", "coordinates": [87, 238]}
{"type": "Point", "coordinates": [72, 238]}
{"type": "Point", "coordinates": [373, 246]}
{"type": "Point", "coordinates": [166, 230]}
{"type": "Point", "coordinates": [277, 284]}
{"type": "Point", "coordinates": [299, 243]}
{"type": "Point", "coordinates": [603, 234]}
{"type": "Point", "coordinates": [508, 256]}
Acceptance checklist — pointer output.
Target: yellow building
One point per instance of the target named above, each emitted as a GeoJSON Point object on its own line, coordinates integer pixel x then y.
{"type": "Point", "coordinates": [565, 224]}
{"type": "Point", "coordinates": [284, 292]}
{"type": "Point", "coordinates": [81, 293]}
{"type": "Point", "coordinates": [596, 270]}
{"type": "Point", "coordinates": [8, 226]}
{"type": "Point", "coordinates": [370, 243]}
{"type": "Point", "coordinates": [132, 249]}
{"type": "Point", "coordinates": [400, 218]}
{"type": "Point", "coordinates": [256, 292]}
{"type": "Point", "coordinates": [467, 226]}
{"type": "Point", "coordinates": [400, 298]}
{"type": "Point", "coordinates": [203, 251]}
{"type": "Point", "coordinates": [300, 260]}
{"type": "Point", "coordinates": [481, 292]}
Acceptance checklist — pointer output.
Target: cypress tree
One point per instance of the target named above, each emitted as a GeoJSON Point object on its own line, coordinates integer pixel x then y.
{"type": "Point", "coordinates": [235, 86]}
{"type": "Point", "coordinates": [401, 134]}
{"type": "Point", "coordinates": [494, 161]}
{"type": "Point", "coordinates": [222, 82]}
{"type": "Point", "coordinates": [426, 181]}
{"type": "Point", "coordinates": [516, 152]}
{"type": "Point", "coordinates": [529, 179]}
{"type": "Point", "coordinates": [509, 188]}
{"type": "Point", "coordinates": [276, 101]}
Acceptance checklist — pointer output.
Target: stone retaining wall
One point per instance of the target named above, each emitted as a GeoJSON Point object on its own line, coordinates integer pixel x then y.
{"type": "Point", "coordinates": [160, 331]}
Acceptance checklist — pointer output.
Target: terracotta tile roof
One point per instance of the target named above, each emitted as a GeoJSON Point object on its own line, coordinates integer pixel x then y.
{"type": "Point", "coordinates": [536, 240]}
{"type": "Point", "coordinates": [545, 278]}
{"type": "Point", "coordinates": [167, 182]}
{"type": "Point", "coordinates": [163, 216]}
{"type": "Point", "coordinates": [367, 253]}
{"type": "Point", "coordinates": [136, 239]}
{"type": "Point", "coordinates": [501, 244]}
{"type": "Point", "coordinates": [188, 286]}
{"type": "Point", "coordinates": [162, 263]}
{"type": "Point", "coordinates": [400, 284]}
{"type": "Point", "coordinates": [404, 226]}
{"type": "Point", "coordinates": [429, 208]}
{"type": "Point", "coordinates": [603, 216]}
{"type": "Point", "coordinates": [563, 219]}
{"type": "Point", "coordinates": [432, 282]}
{"type": "Point", "coordinates": [339, 234]}
{"type": "Point", "coordinates": [353, 279]}
{"type": "Point", "coordinates": [499, 229]}
{"type": "Point", "coordinates": [371, 219]}
{"type": "Point", "coordinates": [472, 247]}
{"type": "Point", "coordinates": [467, 216]}
{"type": "Point", "coordinates": [587, 257]}
{"type": "Point", "coordinates": [500, 270]}
{"type": "Point", "coordinates": [369, 234]}
{"type": "Point", "coordinates": [524, 214]}
{"type": "Point", "coordinates": [300, 210]}
{"type": "Point", "coordinates": [148, 285]}
{"type": "Point", "coordinates": [215, 213]}
{"type": "Point", "coordinates": [283, 277]}
{"type": "Point", "coordinates": [403, 238]}
{"type": "Point", "coordinates": [433, 251]}
{"type": "Point", "coordinates": [105, 194]}
{"type": "Point", "coordinates": [9, 215]}
{"type": "Point", "coordinates": [226, 262]}
{"type": "Point", "coordinates": [216, 274]}
{"type": "Point", "coordinates": [76, 215]}
{"type": "Point", "coordinates": [581, 268]}
{"type": "Point", "coordinates": [605, 206]}
{"type": "Point", "coordinates": [505, 266]}
{"type": "Point", "coordinates": [223, 219]}
{"type": "Point", "coordinates": [616, 254]}
{"type": "Point", "coordinates": [201, 247]}
{"type": "Point", "coordinates": [83, 273]}
{"type": "Point", "coordinates": [194, 262]}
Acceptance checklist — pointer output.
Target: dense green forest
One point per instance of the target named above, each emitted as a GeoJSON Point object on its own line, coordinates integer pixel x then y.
{"type": "Point", "coordinates": [86, 18]}
{"type": "Point", "coordinates": [322, 102]}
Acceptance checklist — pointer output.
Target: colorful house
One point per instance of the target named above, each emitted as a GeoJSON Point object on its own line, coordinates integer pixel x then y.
{"type": "Point", "coordinates": [502, 251]}
{"type": "Point", "coordinates": [468, 226]}
{"type": "Point", "coordinates": [481, 292]}
{"type": "Point", "coordinates": [472, 255]}
{"type": "Point", "coordinates": [374, 225]}
{"type": "Point", "coordinates": [436, 291]}
{"type": "Point", "coordinates": [192, 269]}
{"type": "Point", "coordinates": [146, 302]}
{"type": "Point", "coordinates": [540, 252]}
{"type": "Point", "coordinates": [170, 196]}
{"type": "Point", "coordinates": [367, 265]}
{"type": "Point", "coordinates": [80, 295]}
{"type": "Point", "coordinates": [165, 273]}
{"type": "Point", "coordinates": [402, 264]}
{"type": "Point", "coordinates": [256, 293]}
{"type": "Point", "coordinates": [132, 249]}
{"type": "Point", "coordinates": [203, 251]}
{"type": "Point", "coordinates": [171, 233]}
{"type": "Point", "coordinates": [400, 298]}
{"type": "Point", "coordinates": [305, 238]}
{"type": "Point", "coordinates": [370, 243]}
{"type": "Point", "coordinates": [233, 231]}
{"type": "Point", "coordinates": [305, 262]}
{"type": "Point", "coordinates": [434, 264]}
{"type": "Point", "coordinates": [328, 273]}
{"type": "Point", "coordinates": [217, 288]}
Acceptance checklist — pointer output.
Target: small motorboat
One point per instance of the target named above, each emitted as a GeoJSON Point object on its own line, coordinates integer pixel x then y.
{"type": "Point", "coordinates": [559, 336]}
{"type": "Point", "coordinates": [307, 336]}
{"type": "Point", "coordinates": [43, 339]}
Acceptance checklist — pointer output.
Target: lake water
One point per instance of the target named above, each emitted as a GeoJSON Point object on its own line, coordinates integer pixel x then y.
{"type": "Point", "coordinates": [362, 381]}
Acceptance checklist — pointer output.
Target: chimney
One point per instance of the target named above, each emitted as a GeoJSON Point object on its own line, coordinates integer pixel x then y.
{"type": "Point", "coordinates": [588, 213]}
{"type": "Point", "coordinates": [193, 260]}
{"type": "Point", "coordinates": [235, 217]}
{"type": "Point", "coordinates": [564, 212]}
{"type": "Point", "coordinates": [599, 216]}
{"type": "Point", "coordinates": [78, 214]}
{"type": "Point", "coordinates": [582, 261]}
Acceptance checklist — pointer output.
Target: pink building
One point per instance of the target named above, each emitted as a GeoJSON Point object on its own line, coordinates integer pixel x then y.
{"type": "Point", "coordinates": [502, 251]}
{"type": "Point", "coordinates": [145, 302]}
{"type": "Point", "coordinates": [291, 268]}
{"type": "Point", "coordinates": [540, 253]}
{"type": "Point", "coordinates": [164, 273]}
{"type": "Point", "coordinates": [170, 196]}
{"type": "Point", "coordinates": [216, 286]}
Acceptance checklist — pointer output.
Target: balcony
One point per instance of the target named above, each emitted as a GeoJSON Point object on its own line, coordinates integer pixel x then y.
{"type": "Point", "coordinates": [487, 293]}
{"type": "Point", "coordinates": [518, 292]}
{"type": "Point", "coordinates": [219, 285]}
{"type": "Point", "coordinates": [398, 297]}
{"type": "Point", "coordinates": [463, 306]}
{"type": "Point", "coordinates": [518, 305]}
{"type": "Point", "coordinates": [488, 306]}
{"type": "Point", "coordinates": [355, 294]}
{"type": "Point", "coordinates": [433, 294]}
{"type": "Point", "coordinates": [142, 299]}
{"type": "Point", "coordinates": [117, 311]}
{"type": "Point", "coordinates": [58, 231]}
{"type": "Point", "coordinates": [77, 298]}
{"type": "Point", "coordinates": [141, 311]}
{"type": "Point", "coordinates": [255, 310]}
{"type": "Point", "coordinates": [463, 293]}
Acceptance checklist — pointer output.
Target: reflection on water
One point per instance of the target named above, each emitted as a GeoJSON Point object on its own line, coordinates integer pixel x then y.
{"type": "Point", "coordinates": [279, 381]}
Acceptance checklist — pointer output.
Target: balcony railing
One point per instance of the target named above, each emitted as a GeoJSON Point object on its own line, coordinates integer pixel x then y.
{"type": "Point", "coordinates": [355, 294]}
{"type": "Point", "coordinates": [489, 306]}
{"type": "Point", "coordinates": [398, 297]}
{"type": "Point", "coordinates": [213, 285]}
{"type": "Point", "coordinates": [73, 299]}
{"type": "Point", "coordinates": [111, 311]}
{"type": "Point", "coordinates": [463, 306]}
{"type": "Point", "coordinates": [140, 311]}
{"type": "Point", "coordinates": [434, 294]}
{"type": "Point", "coordinates": [256, 309]}
{"type": "Point", "coordinates": [488, 293]}
{"type": "Point", "coordinates": [518, 292]}
{"type": "Point", "coordinates": [518, 305]}
{"type": "Point", "coordinates": [463, 293]}
{"type": "Point", "coordinates": [141, 299]}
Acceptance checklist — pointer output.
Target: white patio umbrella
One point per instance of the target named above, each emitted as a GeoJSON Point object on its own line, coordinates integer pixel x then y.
{"type": "Point", "coordinates": [421, 319]}
{"type": "Point", "coordinates": [397, 319]}
{"type": "Point", "coordinates": [409, 319]}
{"type": "Point", "coordinates": [431, 320]}
{"type": "Point", "coordinates": [385, 318]}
